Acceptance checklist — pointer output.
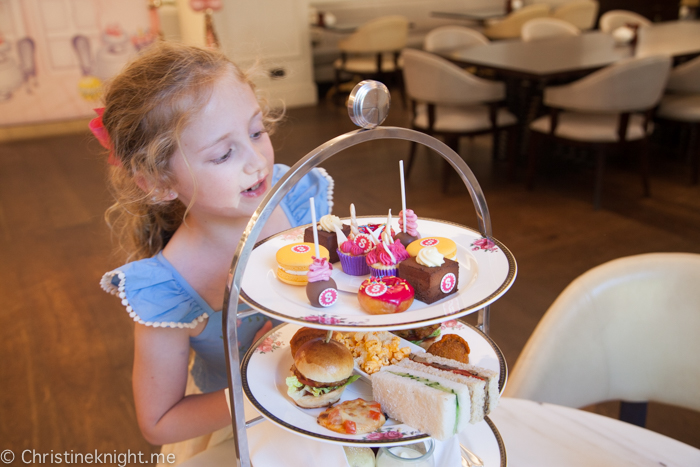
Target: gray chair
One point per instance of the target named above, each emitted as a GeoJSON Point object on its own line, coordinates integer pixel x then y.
{"type": "Point", "coordinates": [452, 37]}
{"type": "Point", "coordinates": [548, 28]}
{"type": "Point", "coordinates": [580, 13]}
{"type": "Point", "coordinates": [450, 102]}
{"type": "Point", "coordinates": [373, 51]}
{"type": "Point", "coordinates": [603, 111]}
{"type": "Point", "coordinates": [682, 105]}
{"type": "Point", "coordinates": [614, 19]}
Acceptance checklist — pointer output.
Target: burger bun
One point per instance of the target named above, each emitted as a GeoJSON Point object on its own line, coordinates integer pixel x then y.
{"type": "Point", "coordinates": [313, 402]}
{"type": "Point", "coordinates": [325, 362]}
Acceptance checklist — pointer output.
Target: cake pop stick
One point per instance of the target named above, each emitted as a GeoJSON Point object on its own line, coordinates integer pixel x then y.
{"type": "Point", "coordinates": [403, 195]}
{"type": "Point", "coordinates": [314, 229]}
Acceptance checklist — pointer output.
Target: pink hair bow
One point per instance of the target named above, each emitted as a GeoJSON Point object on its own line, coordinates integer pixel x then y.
{"type": "Point", "coordinates": [98, 129]}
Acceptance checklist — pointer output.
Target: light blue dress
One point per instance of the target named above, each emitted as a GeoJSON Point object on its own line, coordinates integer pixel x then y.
{"type": "Point", "coordinates": [155, 294]}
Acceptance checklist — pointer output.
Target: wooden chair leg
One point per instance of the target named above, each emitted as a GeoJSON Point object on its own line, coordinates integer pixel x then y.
{"type": "Point", "coordinates": [336, 86]}
{"type": "Point", "coordinates": [634, 413]}
{"type": "Point", "coordinates": [694, 147]}
{"type": "Point", "coordinates": [512, 152]}
{"type": "Point", "coordinates": [533, 149]}
{"type": "Point", "coordinates": [644, 159]}
{"type": "Point", "coordinates": [411, 156]}
{"type": "Point", "coordinates": [496, 147]}
{"type": "Point", "coordinates": [599, 170]}
{"type": "Point", "coordinates": [453, 142]}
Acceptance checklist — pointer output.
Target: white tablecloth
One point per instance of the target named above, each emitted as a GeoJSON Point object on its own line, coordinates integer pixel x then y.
{"type": "Point", "coordinates": [534, 434]}
{"type": "Point", "coordinates": [537, 435]}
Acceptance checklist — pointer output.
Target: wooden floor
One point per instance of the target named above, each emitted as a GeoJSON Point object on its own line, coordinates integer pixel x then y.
{"type": "Point", "coordinates": [66, 346]}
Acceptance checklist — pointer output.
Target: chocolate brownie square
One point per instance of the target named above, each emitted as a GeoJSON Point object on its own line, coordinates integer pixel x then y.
{"type": "Point", "coordinates": [430, 284]}
{"type": "Point", "coordinates": [327, 239]}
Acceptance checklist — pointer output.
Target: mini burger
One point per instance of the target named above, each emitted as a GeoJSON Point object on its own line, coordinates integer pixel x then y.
{"type": "Point", "coordinates": [320, 373]}
{"type": "Point", "coordinates": [423, 336]}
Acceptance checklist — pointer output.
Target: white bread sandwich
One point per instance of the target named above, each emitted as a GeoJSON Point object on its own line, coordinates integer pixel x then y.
{"type": "Point", "coordinates": [482, 383]}
{"type": "Point", "coordinates": [433, 404]}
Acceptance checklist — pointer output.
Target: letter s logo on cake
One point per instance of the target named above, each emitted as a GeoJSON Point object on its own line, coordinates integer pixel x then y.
{"type": "Point", "coordinates": [429, 242]}
{"type": "Point", "coordinates": [301, 248]}
{"type": "Point", "coordinates": [328, 297]}
{"type": "Point", "coordinates": [376, 289]}
{"type": "Point", "coordinates": [448, 283]}
{"type": "Point", "coordinates": [363, 241]}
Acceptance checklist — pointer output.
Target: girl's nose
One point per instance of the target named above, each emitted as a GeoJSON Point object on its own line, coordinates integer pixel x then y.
{"type": "Point", "coordinates": [255, 160]}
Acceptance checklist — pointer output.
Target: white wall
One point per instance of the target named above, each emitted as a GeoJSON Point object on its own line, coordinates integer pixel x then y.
{"type": "Point", "coordinates": [269, 35]}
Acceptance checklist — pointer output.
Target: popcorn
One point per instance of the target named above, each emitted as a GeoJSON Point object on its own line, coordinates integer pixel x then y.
{"type": "Point", "coordinates": [373, 350]}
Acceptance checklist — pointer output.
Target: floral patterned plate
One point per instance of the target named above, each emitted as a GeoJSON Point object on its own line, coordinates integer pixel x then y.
{"type": "Point", "coordinates": [266, 365]}
{"type": "Point", "coordinates": [486, 271]}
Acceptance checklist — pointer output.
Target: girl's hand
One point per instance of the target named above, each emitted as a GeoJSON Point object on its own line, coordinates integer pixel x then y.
{"type": "Point", "coordinates": [263, 330]}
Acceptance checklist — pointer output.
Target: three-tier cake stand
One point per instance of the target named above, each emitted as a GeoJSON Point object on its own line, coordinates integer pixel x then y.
{"type": "Point", "coordinates": [487, 277]}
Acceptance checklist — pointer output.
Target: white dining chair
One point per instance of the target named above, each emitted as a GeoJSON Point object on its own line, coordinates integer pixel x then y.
{"type": "Point", "coordinates": [613, 19]}
{"type": "Point", "coordinates": [450, 102]}
{"type": "Point", "coordinates": [580, 13]}
{"type": "Point", "coordinates": [548, 28]}
{"type": "Point", "coordinates": [510, 26]}
{"type": "Point", "coordinates": [625, 330]}
{"type": "Point", "coordinates": [373, 50]}
{"type": "Point", "coordinates": [682, 105]}
{"type": "Point", "coordinates": [685, 78]}
{"type": "Point", "coordinates": [603, 111]}
{"type": "Point", "coordinates": [452, 37]}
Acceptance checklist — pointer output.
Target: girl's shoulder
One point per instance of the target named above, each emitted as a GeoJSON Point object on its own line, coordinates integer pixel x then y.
{"type": "Point", "coordinates": [155, 294]}
{"type": "Point", "coordinates": [317, 184]}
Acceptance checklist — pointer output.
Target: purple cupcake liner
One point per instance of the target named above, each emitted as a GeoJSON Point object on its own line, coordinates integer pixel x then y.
{"type": "Point", "coordinates": [353, 265]}
{"type": "Point", "coordinates": [374, 272]}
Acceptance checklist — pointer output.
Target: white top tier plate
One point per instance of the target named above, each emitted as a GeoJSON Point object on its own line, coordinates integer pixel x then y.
{"type": "Point", "coordinates": [487, 269]}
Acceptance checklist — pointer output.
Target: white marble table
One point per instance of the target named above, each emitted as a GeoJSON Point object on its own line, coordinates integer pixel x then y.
{"type": "Point", "coordinates": [537, 435]}
{"type": "Point", "coordinates": [534, 434]}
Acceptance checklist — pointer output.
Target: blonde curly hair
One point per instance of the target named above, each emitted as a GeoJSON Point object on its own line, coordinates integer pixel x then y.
{"type": "Point", "coordinates": [147, 106]}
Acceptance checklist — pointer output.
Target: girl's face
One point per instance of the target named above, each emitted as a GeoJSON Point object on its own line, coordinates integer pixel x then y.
{"type": "Point", "coordinates": [229, 153]}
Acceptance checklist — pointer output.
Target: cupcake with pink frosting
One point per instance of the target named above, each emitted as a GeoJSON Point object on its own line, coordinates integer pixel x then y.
{"type": "Point", "coordinates": [321, 289]}
{"type": "Point", "coordinates": [385, 258]}
{"type": "Point", "coordinates": [410, 233]}
{"type": "Point", "coordinates": [352, 253]}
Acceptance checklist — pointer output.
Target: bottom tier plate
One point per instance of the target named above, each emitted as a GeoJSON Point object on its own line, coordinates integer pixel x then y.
{"type": "Point", "coordinates": [266, 365]}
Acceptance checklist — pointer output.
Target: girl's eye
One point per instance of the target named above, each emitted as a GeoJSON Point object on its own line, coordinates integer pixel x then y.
{"type": "Point", "coordinates": [223, 158]}
{"type": "Point", "coordinates": [257, 134]}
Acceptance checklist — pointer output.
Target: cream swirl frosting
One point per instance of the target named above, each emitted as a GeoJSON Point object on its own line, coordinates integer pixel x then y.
{"type": "Point", "coordinates": [328, 222]}
{"type": "Point", "coordinates": [430, 257]}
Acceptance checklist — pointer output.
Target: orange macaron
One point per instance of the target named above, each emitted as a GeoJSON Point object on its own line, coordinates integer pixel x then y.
{"type": "Point", "coordinates": [445, 246]}
{"type": "Point", "coordinates": [294, 260]}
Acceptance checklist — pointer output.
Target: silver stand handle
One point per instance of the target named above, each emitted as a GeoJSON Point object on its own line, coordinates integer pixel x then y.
{"type": "Point", "coordinates": [368, 106]}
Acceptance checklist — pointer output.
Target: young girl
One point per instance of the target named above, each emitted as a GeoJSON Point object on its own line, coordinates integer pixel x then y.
{"type": "Point", "coordinates": [192, 160]}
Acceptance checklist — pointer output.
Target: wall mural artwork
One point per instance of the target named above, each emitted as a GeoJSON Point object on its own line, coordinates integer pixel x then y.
{"type": "Point", "coordinates": [56, 55]}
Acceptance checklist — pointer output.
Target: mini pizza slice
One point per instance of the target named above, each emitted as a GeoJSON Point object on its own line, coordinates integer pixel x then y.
{"type": "Point", "coordinates": [353, 417]}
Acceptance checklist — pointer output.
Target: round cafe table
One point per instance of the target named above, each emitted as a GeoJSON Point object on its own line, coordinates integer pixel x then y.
{"type": "Point", "coordinates": [537, 434]}
{"type": "Point", "coordinates": [534, 435]}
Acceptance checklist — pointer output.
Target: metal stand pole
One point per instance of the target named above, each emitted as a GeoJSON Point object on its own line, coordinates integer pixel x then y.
{"type": "Point", "coordinates": [361, 110]}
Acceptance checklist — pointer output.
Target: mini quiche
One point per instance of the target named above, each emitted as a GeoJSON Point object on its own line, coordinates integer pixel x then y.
{"type": "Point", "coordinates": [353, 417]}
